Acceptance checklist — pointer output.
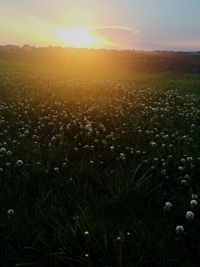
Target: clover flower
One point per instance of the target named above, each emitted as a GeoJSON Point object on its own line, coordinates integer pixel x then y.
{"type": "Point", "coordinates": [168, 206]}
{"type": "Point", "coordinates": [10, 212]}
{"type": "Point", "coordinates": [189, 215]}
{"type": "Point", "coordinates": [19, 163]}
{"type": "Point", "coordinates": [193, 203]}
{"type": "Point", "coordinates": [179, 229]}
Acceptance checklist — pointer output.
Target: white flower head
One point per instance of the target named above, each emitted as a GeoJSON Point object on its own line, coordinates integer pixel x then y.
{"type": "Point", "coordinates": [3, 150]}
{"type": "Point", "coordinates": [19, 163]}
{"type": "Point", "coordinates": [9, 153]}
{"type": "Point", "coordinates": [193, 203]}
{"type": "Point", "coordinates": [189, 215]}
{"type": "Point", "coordinates": [122, 156]}
{"type": "Point", "coordinates": [10, 212]}
{"type": "Point", "coordinates": [86, 233]}
{"type": "Point", "coordinates": [56, 169]}
{"type": "Point", "coordinates": [179, 229]}
{"type": "Point", "coordinates": [180, 168]}
{"type": "Point", "coordinates": [152, 144]}
{"type": "Point", "coordinates": [119, 238]}
{"type": "Point", "coordinates": [168, 206]}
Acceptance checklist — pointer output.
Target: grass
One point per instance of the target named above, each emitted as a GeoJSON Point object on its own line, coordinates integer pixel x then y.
{"type": "Point", "coordinates": [100, 158]}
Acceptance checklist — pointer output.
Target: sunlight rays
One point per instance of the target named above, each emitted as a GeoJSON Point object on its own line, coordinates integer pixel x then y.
{"type": "Point", "coordinates": [78, 36]}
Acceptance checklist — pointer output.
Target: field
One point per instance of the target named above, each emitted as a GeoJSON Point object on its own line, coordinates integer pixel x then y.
{"type": "Point", "coordinates": [99, 166]}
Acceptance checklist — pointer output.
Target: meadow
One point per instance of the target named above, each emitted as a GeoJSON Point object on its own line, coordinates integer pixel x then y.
{"type": "Point", "coordinates": [99, 166]}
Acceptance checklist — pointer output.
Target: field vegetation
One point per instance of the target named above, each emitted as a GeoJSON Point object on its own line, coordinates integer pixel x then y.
{"type": "Point", "coordinates": [99, 161]}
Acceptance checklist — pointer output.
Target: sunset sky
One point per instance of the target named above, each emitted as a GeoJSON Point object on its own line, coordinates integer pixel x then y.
{"type": "Point", "coordinates": [139, 24]}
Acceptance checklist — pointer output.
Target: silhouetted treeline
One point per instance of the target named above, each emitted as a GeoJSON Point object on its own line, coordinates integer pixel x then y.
{"type": "Point", "coordinates": [91, 59]}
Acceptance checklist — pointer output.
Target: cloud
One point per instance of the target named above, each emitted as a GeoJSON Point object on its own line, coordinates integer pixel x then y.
{"type": "Point", "coordinates": [117, 36]}
{"type": "Point", "coordinates": [116, 28]}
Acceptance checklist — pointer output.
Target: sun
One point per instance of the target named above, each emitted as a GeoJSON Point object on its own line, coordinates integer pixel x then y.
{"type": "Point", "coordinates": [79, 37]}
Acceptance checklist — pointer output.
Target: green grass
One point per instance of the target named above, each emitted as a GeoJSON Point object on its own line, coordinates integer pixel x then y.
{"type": "Point", "coordinates": [118, 198]}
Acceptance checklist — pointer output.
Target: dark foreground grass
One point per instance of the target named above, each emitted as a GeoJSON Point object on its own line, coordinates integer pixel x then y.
{"type": "Point", "coordinates": [87, 166]}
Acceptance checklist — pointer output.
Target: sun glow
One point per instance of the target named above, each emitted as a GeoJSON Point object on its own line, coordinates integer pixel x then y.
{"type": "Point", "coordinates": [79, 36]}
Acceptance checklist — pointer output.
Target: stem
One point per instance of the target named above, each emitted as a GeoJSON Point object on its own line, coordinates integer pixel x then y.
{"type": "Point", "coordinates": [120, 254]}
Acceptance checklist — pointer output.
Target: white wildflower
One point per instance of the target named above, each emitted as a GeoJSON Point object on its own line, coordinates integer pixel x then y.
{"type": "Point", "coordinates": [19, 162]}
{"type": "Point", "coordinates": [189, 215]}
{"type": "Point", "coordinates": [168, 206]}
{"type": "Point", "coordinates": [10, 212]}
{"type": "Point", "coordinates": [179, 229]}
{"type": "Point", "coordinates": [193, 203]}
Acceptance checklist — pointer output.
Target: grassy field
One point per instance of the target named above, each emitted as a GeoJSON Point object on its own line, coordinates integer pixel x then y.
{"type": "Point", "coordinates": [98, 168]}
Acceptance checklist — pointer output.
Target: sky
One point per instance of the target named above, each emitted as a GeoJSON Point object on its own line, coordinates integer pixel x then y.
{"type": "Point", "coordinates": [118, 24]}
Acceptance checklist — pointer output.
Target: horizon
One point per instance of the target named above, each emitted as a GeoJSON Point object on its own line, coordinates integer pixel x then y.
{"type": "Point", "coordinates": [98, 49]}
{"type": "Point", "coordinates": [140, 25]}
